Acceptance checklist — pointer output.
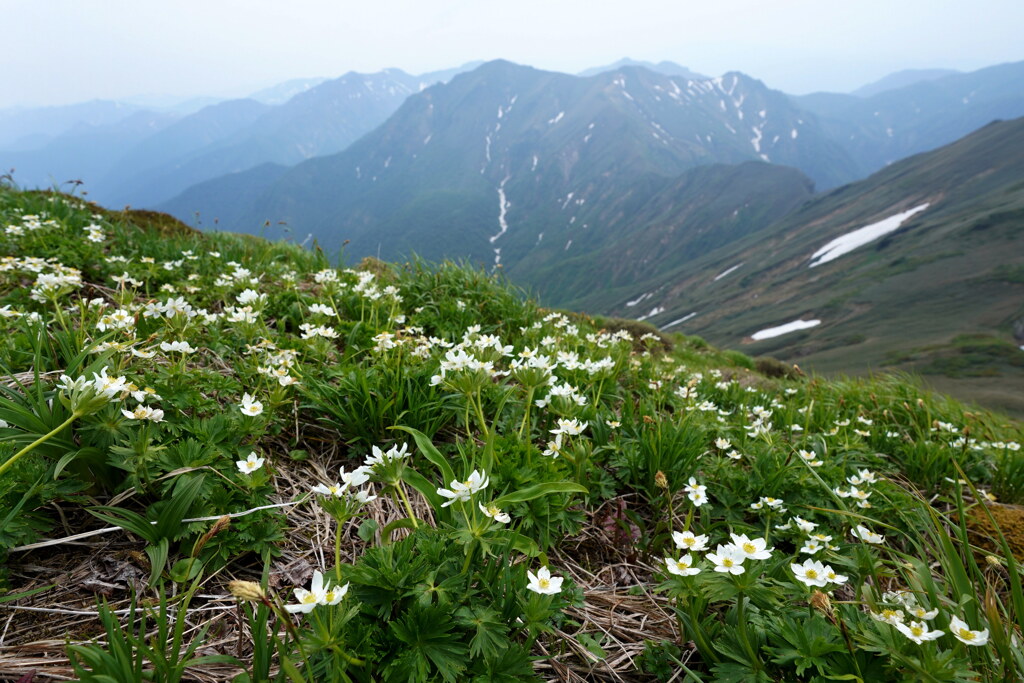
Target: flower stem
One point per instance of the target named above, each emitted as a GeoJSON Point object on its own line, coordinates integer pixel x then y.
{"type": "Point", "coordinates": [405, 501]}
{"type": "Point", "coordinates": [337, 550]}
{"type": "Point", "coordinates": [741, 622]}
{"type": "Point", "coordinates": [526, 414]}
{"type": "Point", "coordinates": [45, 437]}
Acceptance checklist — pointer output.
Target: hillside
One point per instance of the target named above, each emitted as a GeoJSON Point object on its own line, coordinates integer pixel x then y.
{"type": "Point", "coordinates": [259, 467]}
{"type": "Point", "coordinates": [911, 298]}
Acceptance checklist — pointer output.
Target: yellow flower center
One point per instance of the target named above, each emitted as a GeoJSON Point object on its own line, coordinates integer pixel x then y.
{"type": "Point", "coordinates": [749, 548]}
{"type": "Point", "coordinates": [811, 574]}
{"type": "Point", "coordinates": [308, 598]}
{"type": "Point", "coordinates": [966, 635]}
{"type": "Point", "coordinates": [543, 583]}
{"type": "Point", "coordinates": [727, 562]}
{"type": "Point", "coordinates": [916, 630]}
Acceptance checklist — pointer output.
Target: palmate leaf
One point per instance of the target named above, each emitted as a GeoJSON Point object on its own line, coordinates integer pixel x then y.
{"type": "Point", "coordinates": [490, 634]}
{"type": "Point", "coordinates": [430, 646]}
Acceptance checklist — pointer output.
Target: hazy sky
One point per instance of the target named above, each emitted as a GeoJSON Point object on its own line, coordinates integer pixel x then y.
{"type": "Point", "coordinates": [61, 51]}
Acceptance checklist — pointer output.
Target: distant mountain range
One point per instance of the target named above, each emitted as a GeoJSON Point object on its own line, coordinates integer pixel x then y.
{"type": "Point", "coordinates": [541, 162]}
{"type": "Point", "coordinates": [145, 167]}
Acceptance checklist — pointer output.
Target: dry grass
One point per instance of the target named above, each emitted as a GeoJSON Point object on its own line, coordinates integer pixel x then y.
{"type": "Point", "coordinates": [618, 608]}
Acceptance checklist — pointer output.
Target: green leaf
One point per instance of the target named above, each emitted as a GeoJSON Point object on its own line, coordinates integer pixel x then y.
{"type": "Point", "coordinates": [427, 632]}
{"type": "Point", "coordinates": [293, 673]}
{"type": "Point", "coordinates": [127, 520]}
{"type": "Point", "coordinates": [490, 634]}
{"type": "Point", "coordinates": [158, 554]}
{"type": "Point", "coordinates": [538, 490]}
{"type": "Point", "coordinates": [426, 488]}
{"type": "Point", "coordinates": [185, 569]}
{"type": "Point", "coordinates": [404, 523]}
{"type": "Point", "coordinates": [8, 597]}
{"type": "Point", "coordinates": [367, 530]}
{"type": "Point", "coordinates": [524, 544]}
{"type": "Point", "coordinates": [431, 453]}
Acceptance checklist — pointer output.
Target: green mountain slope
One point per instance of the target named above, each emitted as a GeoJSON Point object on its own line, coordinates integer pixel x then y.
{"type": "Point", "coordinates": [917, 297]}
{"type": "Point", "coordinates": [538, 165]}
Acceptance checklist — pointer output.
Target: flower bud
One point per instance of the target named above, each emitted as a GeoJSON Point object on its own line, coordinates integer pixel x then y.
{"type": "Point", "coordinates": [247, 590]}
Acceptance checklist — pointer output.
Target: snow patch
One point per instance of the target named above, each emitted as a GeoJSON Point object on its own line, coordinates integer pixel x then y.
{"type": "Point", "coordinates": [779, 330]}
{"type": "Point", "coordinates": [502, 211]}
{"type": "Point", "coordinates": [567, 245]}
{"type": "Point", "coordinates": [727, 271]}
{"type": "Point", "coordinates": [535, 160]}
{"type": "Point", "coordinates": [654, 311]}
{"type": "Point", "coordinates": [858, 238]}
{"type": "Point", "coordinates": [639, 299]}
{"type": "Point", "coordinates": [756, 140]}
{"type": "Point", "coordinates": [680, 320]}
{"type": "Point", "coordinates": [427, 139]}
{"type": "Point", "coordinates": [793, 133]}
{"type": "Point", "coordinates": [556, 119]}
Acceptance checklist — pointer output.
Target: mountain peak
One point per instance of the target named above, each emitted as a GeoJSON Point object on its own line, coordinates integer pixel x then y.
{"type": "Point", "coordinates": [663, 67]}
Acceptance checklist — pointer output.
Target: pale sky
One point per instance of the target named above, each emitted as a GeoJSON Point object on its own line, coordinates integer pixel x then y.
{"type": "Point", "coordinates": [61, 51]}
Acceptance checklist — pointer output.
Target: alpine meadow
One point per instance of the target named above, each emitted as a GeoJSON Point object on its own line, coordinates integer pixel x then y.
{"type": "Point", "coordinates": [495, 373]}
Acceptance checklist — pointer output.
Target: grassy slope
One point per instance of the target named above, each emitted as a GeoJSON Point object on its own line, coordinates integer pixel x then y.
{"type": "Point", "coordinates": [609, 544]}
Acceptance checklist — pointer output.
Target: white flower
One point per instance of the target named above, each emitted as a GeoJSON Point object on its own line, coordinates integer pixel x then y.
{"type": "Point", "coordinates": [334, 594]}
{"type": "Point", "coordinates": [751, 549]}
{"type": "Point", "coordinates": [965, 635]}
{"type": "Point", "coordinates": [811, 546]}
{"type": "Point", "coordinates": [888, 616]}
{"type": "Point", "coordinates": [810, 573]}
{"type": "Point", "coordinates": [804, 525]}
{"type": "Point", "coordinates": [722, 444]}
{"type": "Point", "coordinates": [554, 448]}
{"type": "Point", "coordinates": [337, 490]}
{"type": "Point", "coordinates": [918, 631]}
{"type": "Point", "coordinates": [379, 457]}
{"type": "Point", "coordinates": [144, 413]}
{"type": "Point", "coordinates": [106, 386]}
{"type": "Point", "coordinates": [250, 464]}
{"type": "Point", "coordinates": [356, 477]}
{"type": "Point", "coordinates": [308, 599]}
{"type": "Point", "coordinates": [686, 540]}
{"type": "Point", "coordinates": [681, 567]}
{"type": "Point", "coordinates": [832, 577]}
{"type": "Point", "coordinates": [495, 513]}
{"type": "Point", "coordinates": [463, 490]}
{"type": "Point", "coordinates": [542, 582]}
{"type": "Point", "coordinates": [250, 406]}
{"type": "Point", "coordinates": [727, 559]}
{"type": "Point", "coordinates": [318, 594]}
{"type": "Point", "coordinates": [569, 427]}
{"type": "Point", "coordinates": [923, 614]}
{"type": "Point", "coordinates": [180, 346]}
{"type": "Point", "coordinates": [697, 493]}
{"type": "Point", "coordinates": [866, 535]}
